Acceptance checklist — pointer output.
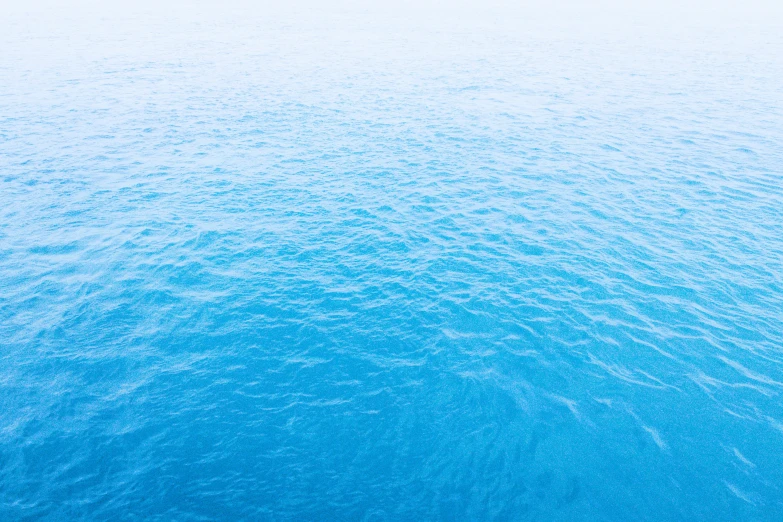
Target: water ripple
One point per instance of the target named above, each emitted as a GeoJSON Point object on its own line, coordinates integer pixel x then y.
{"type": "Point", "coordinates": [264, 265]}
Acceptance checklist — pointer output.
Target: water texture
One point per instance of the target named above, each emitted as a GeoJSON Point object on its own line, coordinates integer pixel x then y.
{"type": "Point", "coordinates": [356, 264]}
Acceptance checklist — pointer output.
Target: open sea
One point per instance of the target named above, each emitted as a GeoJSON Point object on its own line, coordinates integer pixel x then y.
{"type": "Point", "coordinates": [405, 262]}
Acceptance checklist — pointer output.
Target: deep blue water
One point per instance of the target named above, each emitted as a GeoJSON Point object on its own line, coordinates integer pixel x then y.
{"type": "Point", "coordinates": [352, 265]}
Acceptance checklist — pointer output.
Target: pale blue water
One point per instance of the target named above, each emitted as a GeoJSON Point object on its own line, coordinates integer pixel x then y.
{"type": "Point", "coordinates": [352, 266]}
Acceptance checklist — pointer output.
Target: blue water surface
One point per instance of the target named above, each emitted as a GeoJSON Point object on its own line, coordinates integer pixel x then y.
{"type": "Point", "coordinates": [352, 264]}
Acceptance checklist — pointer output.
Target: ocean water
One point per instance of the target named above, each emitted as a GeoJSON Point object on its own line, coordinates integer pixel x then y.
{"type": "Point", "coordinates": [356, 262]}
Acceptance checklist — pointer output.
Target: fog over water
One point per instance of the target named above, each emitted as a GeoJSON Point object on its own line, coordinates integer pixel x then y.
{"type": "Point", "coordinates": [391, 261]}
